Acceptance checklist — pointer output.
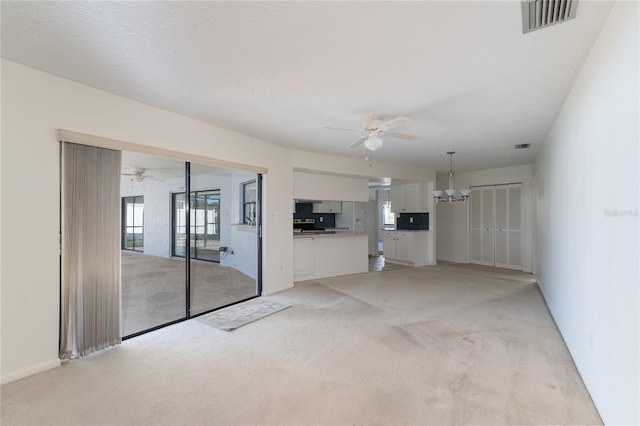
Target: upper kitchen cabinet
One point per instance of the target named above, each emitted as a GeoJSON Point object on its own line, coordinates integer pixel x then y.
{"type": "Point", "coordinates": [410, 198]}
{"type": "Point", "coordinates": [328, 207]}
{"type": "Point", "coordinates": [315, 186]}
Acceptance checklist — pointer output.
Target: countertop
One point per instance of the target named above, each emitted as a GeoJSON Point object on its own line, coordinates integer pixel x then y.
{"type": "Point", "coordinates": [405, 230]}
{"type": "Point", "coordinates": [332, 235]}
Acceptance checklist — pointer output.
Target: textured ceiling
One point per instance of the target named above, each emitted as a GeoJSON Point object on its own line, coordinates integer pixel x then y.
{"type": "Point", "coordinates": [463, 72]}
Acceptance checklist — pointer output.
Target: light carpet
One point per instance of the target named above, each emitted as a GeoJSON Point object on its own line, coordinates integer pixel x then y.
{"type": "Point", "coordinates": [450, 344]}
{"type": "Point", "coordinates": [244, 313]}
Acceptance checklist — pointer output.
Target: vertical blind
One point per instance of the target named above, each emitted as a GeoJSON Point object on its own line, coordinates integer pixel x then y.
{"type": "Point", "coordinates": [90, 228]}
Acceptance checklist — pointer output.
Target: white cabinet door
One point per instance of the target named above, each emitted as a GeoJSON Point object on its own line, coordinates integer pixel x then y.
{"type": "Point", "coordinates": [397, 203]}
{"type": "Point", "coordinates": [389, 245]}
{"type": "Point", "coordinates": [403, 249]}
{"type": "Point", "coordinates": [328, 207]}
{"type": "Point", "coordinates": [410, 198]}
{"type": "Point", "coordinates": [313, 186]}
{"type": "Point", "coordinates": [303, 255]}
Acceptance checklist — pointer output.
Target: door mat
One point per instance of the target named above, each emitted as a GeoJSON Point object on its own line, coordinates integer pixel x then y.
{"type": "Point", "coordinates": [236, 316]}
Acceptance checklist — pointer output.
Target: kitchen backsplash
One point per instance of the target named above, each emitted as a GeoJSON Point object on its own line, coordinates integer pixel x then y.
{"type": "Point", "coordinates": [413, 221]}
{"type": "Point", "coordinates": [305, 211]}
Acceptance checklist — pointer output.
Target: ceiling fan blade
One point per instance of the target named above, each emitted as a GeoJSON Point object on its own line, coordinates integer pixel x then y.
{"type": "Point", "coordinates": [359, 141]}
{"type": "Point", "coordinates": [398, 121]}
{"type": "Point", "coordinates": [339, 128]}
{"type": "Point", "coordinates": [400, 135]}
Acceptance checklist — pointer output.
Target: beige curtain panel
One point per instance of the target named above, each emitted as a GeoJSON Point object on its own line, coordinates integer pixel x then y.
{"type": "Point", "coordinates": [90, 287]}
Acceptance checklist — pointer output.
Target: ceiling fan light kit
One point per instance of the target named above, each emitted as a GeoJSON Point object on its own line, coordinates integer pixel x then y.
{"type": "Point", "coordinates": [451, 193]}
{"type": "Point", "coordinates": [374, 142]}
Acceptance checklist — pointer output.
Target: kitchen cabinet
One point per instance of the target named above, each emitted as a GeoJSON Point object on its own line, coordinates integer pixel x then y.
{"type": "Point", "coordinates": [406, 247]}
{"type": "Point", "coordinates": [331, 255]}
{"type": "Point", "coordinates": [410, 198]}
{"type": "Point", "coordinates": [315, 186]}
{"type": "Point", "coordinates": [327, 207]}
{"type": "Point", "coordinates": [303, 256]}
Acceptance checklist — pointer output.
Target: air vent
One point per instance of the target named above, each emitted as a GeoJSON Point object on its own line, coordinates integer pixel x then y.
{"type": "Point", "coordinates": [537, 14]}
{"type": "Point", "coordinates": [523, 146]}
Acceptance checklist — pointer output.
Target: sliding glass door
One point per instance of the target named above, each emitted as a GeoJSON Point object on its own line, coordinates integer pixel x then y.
{"type": "Point", "coordinates": [199, 251]}
{"type": "Point", "coordinates": [218, 234]}
{"type": "Point", "coordinates": [153, 289]}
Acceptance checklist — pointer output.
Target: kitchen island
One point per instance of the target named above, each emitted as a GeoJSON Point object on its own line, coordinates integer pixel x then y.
{"type": "Point", "coordinates": [325, 254]}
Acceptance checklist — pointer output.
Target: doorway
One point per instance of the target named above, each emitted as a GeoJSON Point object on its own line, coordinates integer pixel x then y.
{"type": "Point", "coordinates": [190, 212]}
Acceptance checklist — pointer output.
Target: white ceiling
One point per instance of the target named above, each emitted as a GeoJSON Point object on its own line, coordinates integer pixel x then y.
{"type": "Point", "coordinates": [462, 71]}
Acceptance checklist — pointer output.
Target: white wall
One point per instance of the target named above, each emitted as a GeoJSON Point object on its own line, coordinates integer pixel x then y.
{"type": "Point", "coordinates": [35, 105]}
{"type": "Point", "coordinates": [587, 219]}
{"type": "Point", "coordinates": [452, 231]}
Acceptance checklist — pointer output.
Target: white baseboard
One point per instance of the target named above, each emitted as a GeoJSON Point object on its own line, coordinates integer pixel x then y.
{"type": "Point", "coordinates": [25, 372]}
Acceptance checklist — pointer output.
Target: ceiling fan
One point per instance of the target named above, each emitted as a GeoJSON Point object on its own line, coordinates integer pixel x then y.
{"type": "Point", "coordinates": [138, 175]}
{"type": "Point", "coordinates": [374, 128]}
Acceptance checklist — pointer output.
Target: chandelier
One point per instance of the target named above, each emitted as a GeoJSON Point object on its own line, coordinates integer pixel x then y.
{"type": "Point", "coordinates": [451, 193]}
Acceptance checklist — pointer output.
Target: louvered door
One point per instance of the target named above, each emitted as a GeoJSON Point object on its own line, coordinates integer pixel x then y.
{"type": "Point", "coordinates": [496, 226]}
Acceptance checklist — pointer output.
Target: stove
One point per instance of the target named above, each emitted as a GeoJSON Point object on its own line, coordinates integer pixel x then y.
{"type": "Point", "coordinates": [305, 225]}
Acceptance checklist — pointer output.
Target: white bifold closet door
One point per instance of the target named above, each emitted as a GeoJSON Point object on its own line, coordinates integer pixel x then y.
{"type": "Point", "coordinates": [496, 226]}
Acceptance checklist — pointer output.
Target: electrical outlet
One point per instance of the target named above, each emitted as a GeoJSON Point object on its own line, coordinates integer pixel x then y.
{"type": "Point", "coordinates": [321, 219]}
{"type": "Point", "coordinates": [411, 219]}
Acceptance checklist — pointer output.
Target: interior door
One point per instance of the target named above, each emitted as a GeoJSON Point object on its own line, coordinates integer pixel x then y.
{"type": "Point", "coordinates": [515, 239]}
{"type": "Point", "coordinates": [475, 200]}
{"type": "Point", "coordinates": [482, 226]}
{"type": "Point", "coordinates": [488, 226]}
{"type": "Point", "coordinates": [502, 226]}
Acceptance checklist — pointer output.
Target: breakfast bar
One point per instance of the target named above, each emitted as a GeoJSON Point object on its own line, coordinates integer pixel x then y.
{"type": "Point", "coordinates": [322, 255]}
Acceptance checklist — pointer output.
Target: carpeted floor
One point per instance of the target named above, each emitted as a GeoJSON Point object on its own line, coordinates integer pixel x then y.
{"type": "Point", "coordinates": [450, 344]}
{"type": "Point", "coordinates": [153, 289]}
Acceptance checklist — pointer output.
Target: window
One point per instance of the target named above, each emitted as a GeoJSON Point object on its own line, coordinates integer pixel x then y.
{"type": "Point", "coordinates": [249, 202]}
{"type": "Point", "coordinates": [204, 220]}
{"type": "Point", "coordinates": [133, 223]}
{"type": "Point", "coordinates": [387, 214]}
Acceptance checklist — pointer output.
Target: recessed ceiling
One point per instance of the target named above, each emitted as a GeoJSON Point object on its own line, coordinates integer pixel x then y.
{"type": "Point", "coordinates": [462, 71]}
